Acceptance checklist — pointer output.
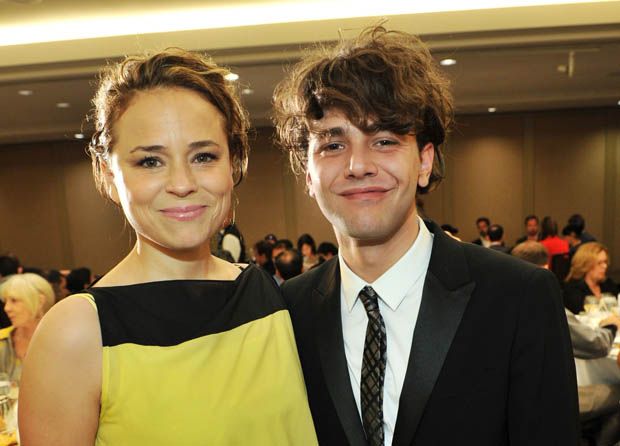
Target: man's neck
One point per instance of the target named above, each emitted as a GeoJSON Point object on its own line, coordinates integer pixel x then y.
{"type": "Point", "coordinates": [370, 259]}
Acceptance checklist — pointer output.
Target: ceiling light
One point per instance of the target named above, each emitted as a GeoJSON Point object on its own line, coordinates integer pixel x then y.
{"type": "Point", "coordinates": [447, 62]}
{"type": "Point", "coordinates": [618, 102]}
{"type": "Point", "coordinates": [63, 105]}
{"type": "Point", "coordinates": [231, 77]}
{"type": "Point", "coordinates": [247, 91]}
{"type": "Point", "coordinates": [78, 135]}
{"type": "Point", "coordinates": [492, 109]}
{"type": "Point", "coordinates": [25, 92]}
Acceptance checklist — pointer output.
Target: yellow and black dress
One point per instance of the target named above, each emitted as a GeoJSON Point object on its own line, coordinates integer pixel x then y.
{"type": "Point", "coordinates": [200, 362]}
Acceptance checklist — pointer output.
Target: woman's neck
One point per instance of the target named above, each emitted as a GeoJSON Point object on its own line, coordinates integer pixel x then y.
{"type": "Point", "coordinates": [594, 286]}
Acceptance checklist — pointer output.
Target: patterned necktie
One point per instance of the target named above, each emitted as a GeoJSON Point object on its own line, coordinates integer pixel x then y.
{"type": "Point", "coordinates": [373, 369]}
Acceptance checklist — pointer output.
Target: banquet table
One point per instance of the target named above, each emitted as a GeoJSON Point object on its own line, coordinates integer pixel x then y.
{"type": "Point", "coordinates": [601, 370]}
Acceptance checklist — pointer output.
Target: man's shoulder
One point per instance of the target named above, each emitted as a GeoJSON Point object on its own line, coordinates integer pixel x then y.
{"type": "Point", "coordinates": [296, 287]}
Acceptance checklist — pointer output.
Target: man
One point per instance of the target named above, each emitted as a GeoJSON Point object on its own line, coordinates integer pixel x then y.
{"type": "Point", "coordinates": [262, 256]}
{"type": "Point", "coordinates": [532, 231]}
{"type": "Point", "coordinates": [496, 237]}
{"type": "Point", "coordinates": [577, 221]}
{"type": "Point", "coordinates": [409, 337]}
{"type": "Point", "coordinates": [482, 225]}
{"type": "Point", "coordinates": [572, 235]}
{"type": "Point", "coordinates": [288, 264]}
{"type": "Point", "coordinates": [597, 402]}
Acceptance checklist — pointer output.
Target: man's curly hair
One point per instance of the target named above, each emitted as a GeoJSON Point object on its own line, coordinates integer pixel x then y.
{"type": "Point", "coordinates": [382, 80]}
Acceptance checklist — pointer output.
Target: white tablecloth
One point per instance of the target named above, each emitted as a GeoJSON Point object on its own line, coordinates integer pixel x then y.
{"type": "Point", "coordinates": [601, 370]}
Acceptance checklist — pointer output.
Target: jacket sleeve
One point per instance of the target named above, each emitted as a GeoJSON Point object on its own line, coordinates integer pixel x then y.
{"type": "Point", "coordinates": [588, 343]}
{"type": "Point", "coordinates": [542, 400]}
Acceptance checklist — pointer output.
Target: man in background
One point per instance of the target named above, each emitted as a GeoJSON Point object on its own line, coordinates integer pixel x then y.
{"type": "Point", "coordinates": [532, 230]}
{"type": "Point", "coordinates": [482, 225]}
{"type": "Point", "coordinates": [288, 265]}
{"type": "Point", "coordinates": [496, 237]}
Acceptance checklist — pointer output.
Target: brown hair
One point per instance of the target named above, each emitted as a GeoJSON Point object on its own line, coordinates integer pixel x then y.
{"type": "Point", "coordinates": [171, 68]}
{"type": "Point", "coordinates": [382, 80]}
{"type": "Point", "coordinates": [584, 259]}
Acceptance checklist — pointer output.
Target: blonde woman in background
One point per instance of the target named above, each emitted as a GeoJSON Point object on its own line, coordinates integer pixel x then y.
{"type": "Point", "coordinates": [26, 298]}
{"type": "Point", "coordinates": [588, 276]}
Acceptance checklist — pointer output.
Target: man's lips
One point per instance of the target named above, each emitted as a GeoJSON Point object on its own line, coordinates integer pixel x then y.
{"type": "Point", "coordinates": [184, 213]}
{"type": "Point", "coordinates": [364, 193]}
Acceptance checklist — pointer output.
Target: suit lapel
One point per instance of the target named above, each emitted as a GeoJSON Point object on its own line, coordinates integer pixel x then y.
{"type": "Point", "coordinates": [331, 351]}
{"type": "Point", "coordinates": [446, 292]}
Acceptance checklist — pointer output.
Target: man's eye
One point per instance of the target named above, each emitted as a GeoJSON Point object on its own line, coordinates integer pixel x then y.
{"type": "Point", "coordinates": [386, 142]}
{"type": "Point", "coordinates": [205, 157]}
{"type": "Point", "coordinates": [149, 162]}
{"type": "Point", "coordinates": [332, 147]}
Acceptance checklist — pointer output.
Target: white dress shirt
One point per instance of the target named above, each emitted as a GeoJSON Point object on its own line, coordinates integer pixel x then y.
{"type": "Point", "coordinates": [400, 295]}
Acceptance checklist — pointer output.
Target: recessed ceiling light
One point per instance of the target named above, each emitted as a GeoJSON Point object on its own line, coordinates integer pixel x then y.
{"type": "Point", "coordinates": [25, 92]}
{"type": "Point", "coordinates": [247, 91]}
{"type": "Point", "coordinates": [447, 62]}
{"type": "Point", "coordinates": [618, 102]}
{"type": "Point", "coordinates": [78, 135]}
{"type": "Point", "coordinates": [231, 76]}
{"type": "Point", "coordinates": [492, 109]}
{"type": "Point", "coordinates": [63, 105]}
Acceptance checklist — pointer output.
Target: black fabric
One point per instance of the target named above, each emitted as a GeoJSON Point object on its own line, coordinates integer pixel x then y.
{"type": "Point", "coordinates": [575, 292]}
{"type": "Point", "coordinates": [491, 361]}
{"type": "Point", "coordinates": [171, 312]}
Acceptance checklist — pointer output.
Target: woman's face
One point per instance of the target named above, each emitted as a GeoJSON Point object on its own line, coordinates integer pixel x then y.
{"type": "Point", "coordinates": [306, 250]}
{"type": "Point", "coordinates": [598, 271]}
{"type": "Point", "coordinates": [170, 168]}
{"type": "Point", "coordinates": [18, 312]}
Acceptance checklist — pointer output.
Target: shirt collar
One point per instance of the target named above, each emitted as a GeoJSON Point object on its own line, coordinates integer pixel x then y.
{"type": "Point", "coordinates": [397, 281]}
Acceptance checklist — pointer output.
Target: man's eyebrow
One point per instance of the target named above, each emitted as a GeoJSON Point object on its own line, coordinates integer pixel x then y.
{"type": "Point", "coordinates": [193, 145]}
{"type": "Point", "coordinates": [328, 133]}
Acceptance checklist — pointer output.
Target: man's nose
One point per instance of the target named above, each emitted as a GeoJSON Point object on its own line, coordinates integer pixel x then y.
{"type": "Point", "coordinates": [361, 162]}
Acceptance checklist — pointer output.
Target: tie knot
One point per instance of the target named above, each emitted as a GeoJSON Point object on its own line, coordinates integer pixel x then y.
{"type": "Point", "coordinates": [369, 298]}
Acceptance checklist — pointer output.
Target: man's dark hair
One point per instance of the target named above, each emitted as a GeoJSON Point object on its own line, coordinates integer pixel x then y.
{"type": "Point", "coordinates": [531, 251]}
{"type": "Point", "coordinates": [577, 221]}
{"type": "Point", "coordinates": [484, 219]}
{"type": "Point", "coordinates": [263, 247]}
{"type": "Point", "coordinates": [327, 248]}
{"type": "Point", "coordinates": [289, 263]}
{"type": "Point", "coordinates": [381, 80]}
{"type": "Point", "coordinates": [78, 279]}
{"type": "Point", "coordinates": [9, 265]}
{"type": "Point", "coordinates": [530, 217]}
{"type": "Point", "coordinates": [495, 232]}
{"type": "Point", "coordinates": [284, 243]}
{"type": "Point", "coordinates": [571, 230]}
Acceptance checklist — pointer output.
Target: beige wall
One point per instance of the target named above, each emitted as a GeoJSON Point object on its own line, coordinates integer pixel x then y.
{"type": "Point", "coordinates": [500, 166]}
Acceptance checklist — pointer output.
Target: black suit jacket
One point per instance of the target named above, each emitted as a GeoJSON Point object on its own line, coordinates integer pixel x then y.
{"type": "Point", "coordinates": [491, 361]}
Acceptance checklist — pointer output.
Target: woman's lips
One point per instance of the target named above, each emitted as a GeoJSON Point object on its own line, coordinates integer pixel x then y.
{"type": "Point", "coordinates": [184, 213]}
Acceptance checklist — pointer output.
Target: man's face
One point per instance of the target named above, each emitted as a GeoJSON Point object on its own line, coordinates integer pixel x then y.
{"type": "Point", "coordinates": [365, 184]}
{"type": "Point", "coordinates": [483, 228]}
{"type": "Point", "coordinates": [531, 227]}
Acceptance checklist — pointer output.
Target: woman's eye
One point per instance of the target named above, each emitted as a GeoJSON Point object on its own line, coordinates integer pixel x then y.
{"type": "Point", "coordinates": [205, 157]}
{"type": "Point", "coordinates": [149, 162]}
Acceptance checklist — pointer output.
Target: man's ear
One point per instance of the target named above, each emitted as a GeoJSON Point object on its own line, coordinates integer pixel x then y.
{"type": "Point", "coordinates": [309, 184]}
{"type": "Point", "coordinates": [108, 182]}
{"type": "Point", "coordinates": [427, 156]}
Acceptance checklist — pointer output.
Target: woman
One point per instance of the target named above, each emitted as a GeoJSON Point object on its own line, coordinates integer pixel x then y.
{"type": "Point", "coordinates": [26, 297]}
{"type": "Point", "coordinates": [173, 345]}
{"type": "Point", "coordinates": [307, 247]}
{"type": "Point", "coordinates": [588, 276]}
{"type": "Point", "coordinates": [550, 240]}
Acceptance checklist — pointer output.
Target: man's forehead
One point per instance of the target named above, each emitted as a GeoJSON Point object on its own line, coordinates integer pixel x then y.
{"type": "Point", "coordinates": [335, 123]}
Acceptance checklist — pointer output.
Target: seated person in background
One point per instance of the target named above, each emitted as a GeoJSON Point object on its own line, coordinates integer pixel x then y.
{"type": "Point", "coordinates": [579, 222]}
{"type": "Point", "coordinates": [482, 224]}
{"type": "Point", "coordinates": [531, 230]}
{"type": "Point", "coordinates": [599, 400]}
{"type": "Point", "coordinates": [271, 238]}
{"type": "Point", "coordinates": [549, 237]}
{"type": "Point", "coordinates": [59, 284]}
{"type": "Point", "coordinates": [288, 265]}
{"type": "Point", "coordinates": [26, 298]}
{"type": "Point", "coordinates": [281, 246]}
{"type": "Point", "coordinates": [572, 235]}
{"type": "Point", "coordinates": [78, 279]}
{"type": "Point", "coordinates": [9, 265]}
{"type": "Point", "coordinates": [307, 247]}
{"type": "Point", "coordinates": [588, 276]}
{"type": "Point", "coordinates": [262, 256]}
{"type": "Point", "coordinates": [326, 251]}
{"type": "Point", "coordinates": [496, 237]}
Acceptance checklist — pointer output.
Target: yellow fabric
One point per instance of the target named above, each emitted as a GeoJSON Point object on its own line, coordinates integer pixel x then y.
{"type": "Point", "coordinates": [88, 297]}
{"type": "Point", "coordinates": [5, 333]}
{"type": "Point", "coordinates": [239, 387]}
